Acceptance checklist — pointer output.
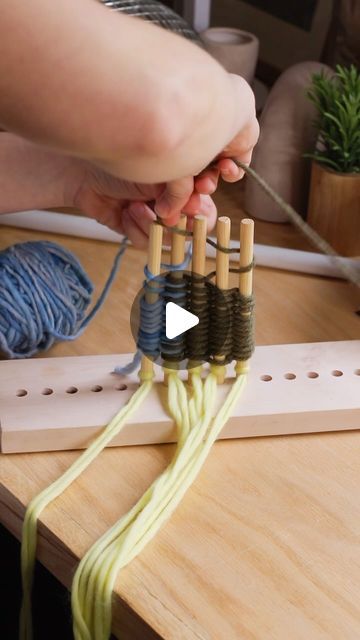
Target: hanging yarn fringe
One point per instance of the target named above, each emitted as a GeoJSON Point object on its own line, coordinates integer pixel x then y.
{"type": "Point", "coordinates": [44, 296]}
{"type": "Point", "coordinates": [38, 504]}
{"type": "Point", "coordinates": [197, 430]}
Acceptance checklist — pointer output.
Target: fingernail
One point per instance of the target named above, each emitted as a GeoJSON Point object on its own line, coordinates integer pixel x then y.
{"type": "Point", "coordinates": [162, 208]}
{"type": "Point", "coordinates": [207, 205]}
{"type": "Point", "coordinates": [138, 208]}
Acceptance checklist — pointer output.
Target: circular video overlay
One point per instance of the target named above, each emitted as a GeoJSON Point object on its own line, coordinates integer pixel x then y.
{"type": "Point", "coordinates": [181, 320]}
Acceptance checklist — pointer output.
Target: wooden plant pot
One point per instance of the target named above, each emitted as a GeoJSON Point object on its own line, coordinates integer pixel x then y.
{"type": "Point", "coordinates": [334, 208]}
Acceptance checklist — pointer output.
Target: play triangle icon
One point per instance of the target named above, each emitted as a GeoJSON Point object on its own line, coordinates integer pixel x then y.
{"type": "Point", "coordinates": [178, 320]}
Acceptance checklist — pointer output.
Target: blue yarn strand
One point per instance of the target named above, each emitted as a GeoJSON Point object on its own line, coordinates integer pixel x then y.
{"type": "Point", "coordinates": [44, 296]}
{"type": "Point", "coordinates": [166, 266]}
{"type": "Point", "coordinates": [102, 297]}
{"type": "Point", "coordinates": [151, 320]}
{"type": "Point", "coordinates": [152, 315]}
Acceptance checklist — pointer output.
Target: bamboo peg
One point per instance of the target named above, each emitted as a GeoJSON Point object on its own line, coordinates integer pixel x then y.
{"type": "Point", "coordinates": [177, 256]}
{"type": "Point", "coordinates": [223, 229]}
{"type": "Point", "coordinates": [246, 277]}
{"type": "Point", "coordinates": [154, 265]}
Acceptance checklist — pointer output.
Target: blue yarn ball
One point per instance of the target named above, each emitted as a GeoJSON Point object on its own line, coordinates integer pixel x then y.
{"type": "Point", "coordinates": [44, 295]}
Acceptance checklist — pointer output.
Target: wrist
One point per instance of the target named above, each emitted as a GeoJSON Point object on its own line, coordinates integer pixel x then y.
{"type": "Point", "coordinates": [33, 177]}
{"type": "Point", "coordinates": [72, 178]}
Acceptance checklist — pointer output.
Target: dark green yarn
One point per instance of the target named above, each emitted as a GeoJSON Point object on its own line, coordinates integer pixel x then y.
{"type": "Point", "coordinates": [242, 326]}
{"type": "Point", "coordinates": [226, 321]}
{"type": "Point", "coordinates": [198, 303]}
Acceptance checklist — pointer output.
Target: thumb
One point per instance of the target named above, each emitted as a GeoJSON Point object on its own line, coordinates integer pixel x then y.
{"type": "Point", "coordinates": [173, 199]}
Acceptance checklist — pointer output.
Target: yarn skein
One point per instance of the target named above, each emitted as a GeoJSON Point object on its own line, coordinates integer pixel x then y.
{"type": "Point", "coordinates": [44, 296]}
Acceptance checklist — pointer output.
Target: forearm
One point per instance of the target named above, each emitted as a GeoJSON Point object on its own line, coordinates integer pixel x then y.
{"type": "Point", "coordinates": [32, 177]}
{"type": "Point", "coordinates": [115, 90]}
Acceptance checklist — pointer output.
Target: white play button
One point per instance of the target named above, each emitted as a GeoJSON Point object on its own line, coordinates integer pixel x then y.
{"type": "Point", "coordinates": [178, 320]}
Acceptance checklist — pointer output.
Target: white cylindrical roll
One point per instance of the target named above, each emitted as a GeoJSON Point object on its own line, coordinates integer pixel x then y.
{"type": "Point", "coordinates": [265, 255]}
{"type": "Point", "coordinates": [236, 50]}
{"type": "Point", "coordinates": [65, 224]}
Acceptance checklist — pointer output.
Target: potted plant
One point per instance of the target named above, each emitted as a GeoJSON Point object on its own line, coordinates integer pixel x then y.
{"type": "Point", "coordinates": [334, 200]}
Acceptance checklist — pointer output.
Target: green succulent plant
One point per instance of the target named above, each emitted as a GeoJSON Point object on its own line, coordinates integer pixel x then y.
{"type": "Point", "coordinates": [337, 101]}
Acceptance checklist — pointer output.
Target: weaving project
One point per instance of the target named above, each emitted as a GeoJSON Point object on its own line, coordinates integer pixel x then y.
{"type": "Point", "coordinates": [224, 332]}
{"type": "Point", "coordinates": [191, 405]}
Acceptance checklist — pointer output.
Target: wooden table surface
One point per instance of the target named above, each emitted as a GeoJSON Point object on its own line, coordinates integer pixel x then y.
{"type": "Point", "coordinates": [266, 544]}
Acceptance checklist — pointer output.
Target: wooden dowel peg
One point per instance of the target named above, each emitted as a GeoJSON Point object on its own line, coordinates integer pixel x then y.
{"type": "Point", "coordinates": [198, 263]}
{"type": "Point", "coordinates": [178, 243]}
{"type": "Point", "coordinates": [246, 256]}
{"type": "Point", "coordinates": [199, 245]}
{"type": "Point", "coordinates": [223, 230]}
{"type": "Point", "coordinates": [245, 278]}
{"type": "Point", "coordinates": [155, 248]}
{"type": "Point", "coordinates": [177, 256]}
{"type": "Point", "coordinates": [154, 266]}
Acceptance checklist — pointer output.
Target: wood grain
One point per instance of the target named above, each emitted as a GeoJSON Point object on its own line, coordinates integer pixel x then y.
{"type": "Point", "coordinates": [266, 543]}
{"type": "Point", "coordinates": [304, 388]}
{"type": "Point", "coordinates": [334, 208]}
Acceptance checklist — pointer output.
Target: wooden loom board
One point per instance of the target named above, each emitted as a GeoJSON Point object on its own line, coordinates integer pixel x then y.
{"type": "Point", "coordinates": [313, 387]}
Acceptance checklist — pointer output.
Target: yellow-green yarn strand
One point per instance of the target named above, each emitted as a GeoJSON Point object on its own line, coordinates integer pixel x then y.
{"type": "Point", "coordinates": [99, 569]}
{"type": "Point", "coordinates": [171, 485]}
{"type": "Point", "coordinates": [183, 481]}
{"type": "Point", "coordinates": [36, 506]}
{"type": "Point", "coordinates": [192, 408]}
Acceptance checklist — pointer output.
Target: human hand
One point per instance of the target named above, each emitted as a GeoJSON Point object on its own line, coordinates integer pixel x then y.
{"type": "Point", "coordinates": [49, 179]}
{"type": "Point", "coordinates": [167, 126]}
{"type": "Point", "coordinates": [239, 148]}
{"type": "Point", "coordinates": [125, 206]}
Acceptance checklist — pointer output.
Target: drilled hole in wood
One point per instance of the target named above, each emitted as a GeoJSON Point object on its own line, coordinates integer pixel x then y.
{"type": "Point", "coordinates": [337, 373]}
{"type": "Point", "coordinates": [47, 391]}
{"type": "Point", "coordinates": [289, 376]}
{"type": "Point", "coordinates": [96, 388]}
{"type": "Point", "coordinates": [357, 372]}
{"type": "Point", "coordinates": [121, 387]}
{"type": "Point", "coordinates": [72, 390]}
{"type": "Point", "coordinates": [266, 378]}
{"type": "Point", "coordinates": [312, 374]}
{"type": "Point", "coordinates": [21, 393]}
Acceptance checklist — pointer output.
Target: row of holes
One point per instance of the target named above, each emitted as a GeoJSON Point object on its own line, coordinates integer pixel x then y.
{"type": "Point", "coordinates": [266, 378]}
{"type": "Point", "coordinates": [21, 393]}
{"type": "Point", "coordinates": [310, 374]}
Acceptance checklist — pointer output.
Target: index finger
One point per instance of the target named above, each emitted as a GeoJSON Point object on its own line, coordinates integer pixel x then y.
{"type": "Point", "coordinates": [173, 199]}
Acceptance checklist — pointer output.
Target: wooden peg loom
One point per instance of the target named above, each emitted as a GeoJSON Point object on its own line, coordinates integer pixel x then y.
{"type": "Point", "coordinates": [224, 331]}
{"type": "Point", "coordinates": [63, 403]}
